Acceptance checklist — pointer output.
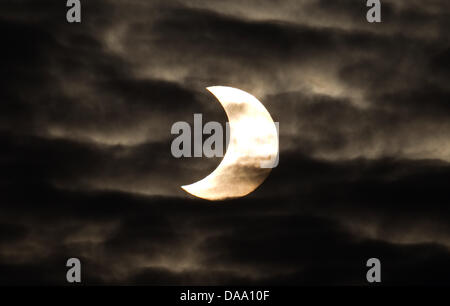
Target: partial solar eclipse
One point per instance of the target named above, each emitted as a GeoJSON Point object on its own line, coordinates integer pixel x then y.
{"type": "Point", "coordinates": [253, 143]}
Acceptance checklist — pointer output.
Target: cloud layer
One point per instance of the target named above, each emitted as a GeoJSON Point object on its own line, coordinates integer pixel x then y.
{"type": "Point", "coordinates": [85, 117]}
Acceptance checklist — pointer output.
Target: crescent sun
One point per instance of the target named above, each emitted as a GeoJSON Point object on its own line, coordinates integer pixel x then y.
{"type": "Point", "coordinates": [253, 145]}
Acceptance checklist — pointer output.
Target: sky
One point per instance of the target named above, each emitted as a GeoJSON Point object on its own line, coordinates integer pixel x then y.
{"type": "Point", "coordinates": [86, 167]}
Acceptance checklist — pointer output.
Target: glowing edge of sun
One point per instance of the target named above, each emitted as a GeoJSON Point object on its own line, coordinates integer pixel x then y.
{"type": "Point", "coordinates": [246, 148]}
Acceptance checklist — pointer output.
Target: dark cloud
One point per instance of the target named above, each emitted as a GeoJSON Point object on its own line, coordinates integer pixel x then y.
{"type": "Point", "coordinates": [124, 239]}
{"type": "Point", "coordinates": [85, 117]}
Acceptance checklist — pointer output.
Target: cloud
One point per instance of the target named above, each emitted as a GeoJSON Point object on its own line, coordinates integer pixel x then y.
{"type": "Point", "coordinates": [328, 219]}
